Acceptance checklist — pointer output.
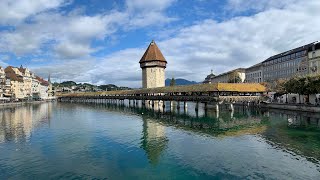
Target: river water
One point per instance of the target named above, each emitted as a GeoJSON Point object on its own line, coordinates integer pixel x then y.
{"type": "Point", "coordinates": [103, 141]}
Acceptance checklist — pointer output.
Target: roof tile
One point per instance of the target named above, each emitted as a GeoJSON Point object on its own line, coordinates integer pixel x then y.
{"type": "Point", "coordinates": [152, 53]}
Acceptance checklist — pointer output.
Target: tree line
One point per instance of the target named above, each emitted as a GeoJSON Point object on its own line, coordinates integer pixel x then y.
{"type": "Point", "coordinates": [304, 85]}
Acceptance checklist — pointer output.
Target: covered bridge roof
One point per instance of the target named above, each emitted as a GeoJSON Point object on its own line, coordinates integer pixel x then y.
{"type": "Point", "coordinates": [216, 87]}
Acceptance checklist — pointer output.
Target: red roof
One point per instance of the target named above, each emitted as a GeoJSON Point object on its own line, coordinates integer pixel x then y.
{"type": "Point", "coordinates": [42, 81]}
{"type": "Point", "coordinates": [11, 74]}
{"type": "Point", "coordinates": [152, 53]}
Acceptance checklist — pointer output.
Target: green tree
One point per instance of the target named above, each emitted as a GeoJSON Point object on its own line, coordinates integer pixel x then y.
{"type": "Point", "coordinates": [172, 82]}
{"type": "Point", "coordinates": [234, 77]}
{"type": "Point", "coordinates": [279, 86]}
{"type": "Point", "coordinates": [303, 85]}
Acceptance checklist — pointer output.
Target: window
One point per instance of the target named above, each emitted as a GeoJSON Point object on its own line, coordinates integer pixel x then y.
{"type": "Point", "coordinates": [313, 54]}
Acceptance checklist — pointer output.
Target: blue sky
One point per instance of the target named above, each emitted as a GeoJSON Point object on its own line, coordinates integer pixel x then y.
{"type": "Point", "coordinates": [102, 41]}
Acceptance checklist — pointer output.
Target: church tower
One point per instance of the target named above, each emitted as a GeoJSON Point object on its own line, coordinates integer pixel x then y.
{"type": "Point", "coordinates": [153, 66]}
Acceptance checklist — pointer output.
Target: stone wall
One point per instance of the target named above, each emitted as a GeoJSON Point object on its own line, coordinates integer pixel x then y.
{"type": "Point", "coordinates": [292, 107]}
{"type": "Point", "coordinates": [153, 77]}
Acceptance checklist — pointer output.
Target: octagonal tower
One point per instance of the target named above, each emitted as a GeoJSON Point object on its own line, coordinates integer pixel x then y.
{"type": "Point", "coordinates": [153, 66]}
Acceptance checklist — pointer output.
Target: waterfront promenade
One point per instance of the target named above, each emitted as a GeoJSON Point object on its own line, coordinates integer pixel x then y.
{"type": "Point", "coordinates": [21, 103]}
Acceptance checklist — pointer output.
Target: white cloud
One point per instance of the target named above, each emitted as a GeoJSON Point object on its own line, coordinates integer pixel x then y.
{"type": "Point", "coordinates": [241, 41]}
{"type": "Point", "coordinates": [13, 12]}
{"type": "Point", "coordinates": [65, 70]}
{"type": "Point", "coordinates": [71, 50]}
{"type": "Point", "coordinates": [194, 50]}
{"type": "Point", "coordinates": [69, 35]}
{"type": "Point", "coordinates": [191, 51]}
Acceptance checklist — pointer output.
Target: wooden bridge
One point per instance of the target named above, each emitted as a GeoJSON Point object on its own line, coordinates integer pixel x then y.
{"type": "Point", "coordinates": [205, 93]}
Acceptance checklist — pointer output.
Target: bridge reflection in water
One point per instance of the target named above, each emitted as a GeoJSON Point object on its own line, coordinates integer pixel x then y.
{"type": "Point", "coordinates": [294, 131]}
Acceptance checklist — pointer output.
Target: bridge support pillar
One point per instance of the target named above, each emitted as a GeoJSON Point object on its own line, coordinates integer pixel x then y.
{"type": "Point", "coordinates": [217, 107]}
{"type": "Point", "coordinates": [197, 106]}
{"type": "Point", "coordinates": [231, 107]}
{"type": "Point", "coordinates": [185, 104]}
{"type": "Point", "coordinates": [163, 106]}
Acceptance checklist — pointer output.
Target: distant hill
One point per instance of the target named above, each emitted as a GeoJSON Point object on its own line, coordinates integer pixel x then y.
{"type": "Point", "coordinates": [181, 82]}
{"type": "Point", "coordinates": [86, 87]}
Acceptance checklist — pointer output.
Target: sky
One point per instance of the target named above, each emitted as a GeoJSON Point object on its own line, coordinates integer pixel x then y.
{"type": "Point", "coordinates": [102, 41]}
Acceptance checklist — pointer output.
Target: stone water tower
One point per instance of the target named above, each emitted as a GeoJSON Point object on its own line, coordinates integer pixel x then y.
{"type": "Point", "coordinates": [153, 66]}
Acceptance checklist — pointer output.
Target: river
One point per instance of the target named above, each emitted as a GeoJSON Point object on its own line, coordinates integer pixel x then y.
{"type": "Point", "coordinates": [103, 141]}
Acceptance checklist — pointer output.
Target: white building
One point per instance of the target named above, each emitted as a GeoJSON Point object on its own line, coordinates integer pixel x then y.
{"type": "Point", "coordinates": [2, 81]}
{"type": "Point", "coordinates": [230, 77]}
{"type": "Point", "coordinates": [314, 59]}
{"type": "Point", "coordinates": [43, 88]}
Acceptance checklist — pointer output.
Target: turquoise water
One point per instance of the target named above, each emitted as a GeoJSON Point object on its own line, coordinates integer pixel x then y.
{"type": "Point", "coordinates": [87, 141]}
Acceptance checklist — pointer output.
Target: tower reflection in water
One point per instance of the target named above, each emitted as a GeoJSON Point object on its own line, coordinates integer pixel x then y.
{"type": "Point", "coordinates": [17, 123]}
{"type": "Point", "coordinates": [277, 127]}
{"type": "Point", "coordinates": [156, 117]}
{"type": "Point", "coordinates": [154, 140]}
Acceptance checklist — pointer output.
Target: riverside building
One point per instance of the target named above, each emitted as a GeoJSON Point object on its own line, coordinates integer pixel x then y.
{"type": "Point", "coordinates": [227, 77]}
{"type": "Point", "coordinates": [2, 81]}
{"type": "Point", "coordinates": [314, 59]}
{"type": "Point", "coordinates": [22, 84]}
{"type": "Point", "coordinates": [287, 64]}
{"type": "Point", "coordinates": [254, 74]}
{"type": "Point", "coordinates": [301, 61]}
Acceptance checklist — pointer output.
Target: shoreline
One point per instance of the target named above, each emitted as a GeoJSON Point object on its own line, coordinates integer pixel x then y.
{"type": "Point", "coordinates": [292, 107]}
{"type": "Point", "coordinates": [16, 104]}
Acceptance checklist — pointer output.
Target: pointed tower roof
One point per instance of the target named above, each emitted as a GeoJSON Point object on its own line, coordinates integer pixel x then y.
{"type": "Point", "coordinates": [152, 53]}
{"type": "Point", "coordinates": [49, 78]}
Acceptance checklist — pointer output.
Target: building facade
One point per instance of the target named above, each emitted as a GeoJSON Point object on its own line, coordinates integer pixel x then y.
{"type": "Point", "coordinates": [301, 61]}
{"type": "Point", "coordinates": [27, 80]}
{"type": "Point", "coordinates": [314, 59]}
{"type": "Point", "coordinates": [16, 82]}
{"type": "Point", "coordinates": [2, 82]}
{"type": "Point", "coordinates": [43, 88]}
{"type": "Point", "coordinates": [153, 66]}
{"type": "Point", "coordinates": [254, 74]}
{"type": "Point", "coordinates": [22, 84]}
{"type": "Point", "coordinates": [287, 64]}
{"type": "Point", "coordinates": [234, 76]}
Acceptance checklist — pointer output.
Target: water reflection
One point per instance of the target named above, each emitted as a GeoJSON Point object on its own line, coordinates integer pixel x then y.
{"type": "Point", "coordinates": [153, 140]}
{"type": "Point", "coordinates": [103, 140]}
{"type": "Point", "coordinates": [280, 128]}
{"type": "Point", "coordinates": [17, 123]}
{"type": "Point", "coordinates": [296, 131]}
